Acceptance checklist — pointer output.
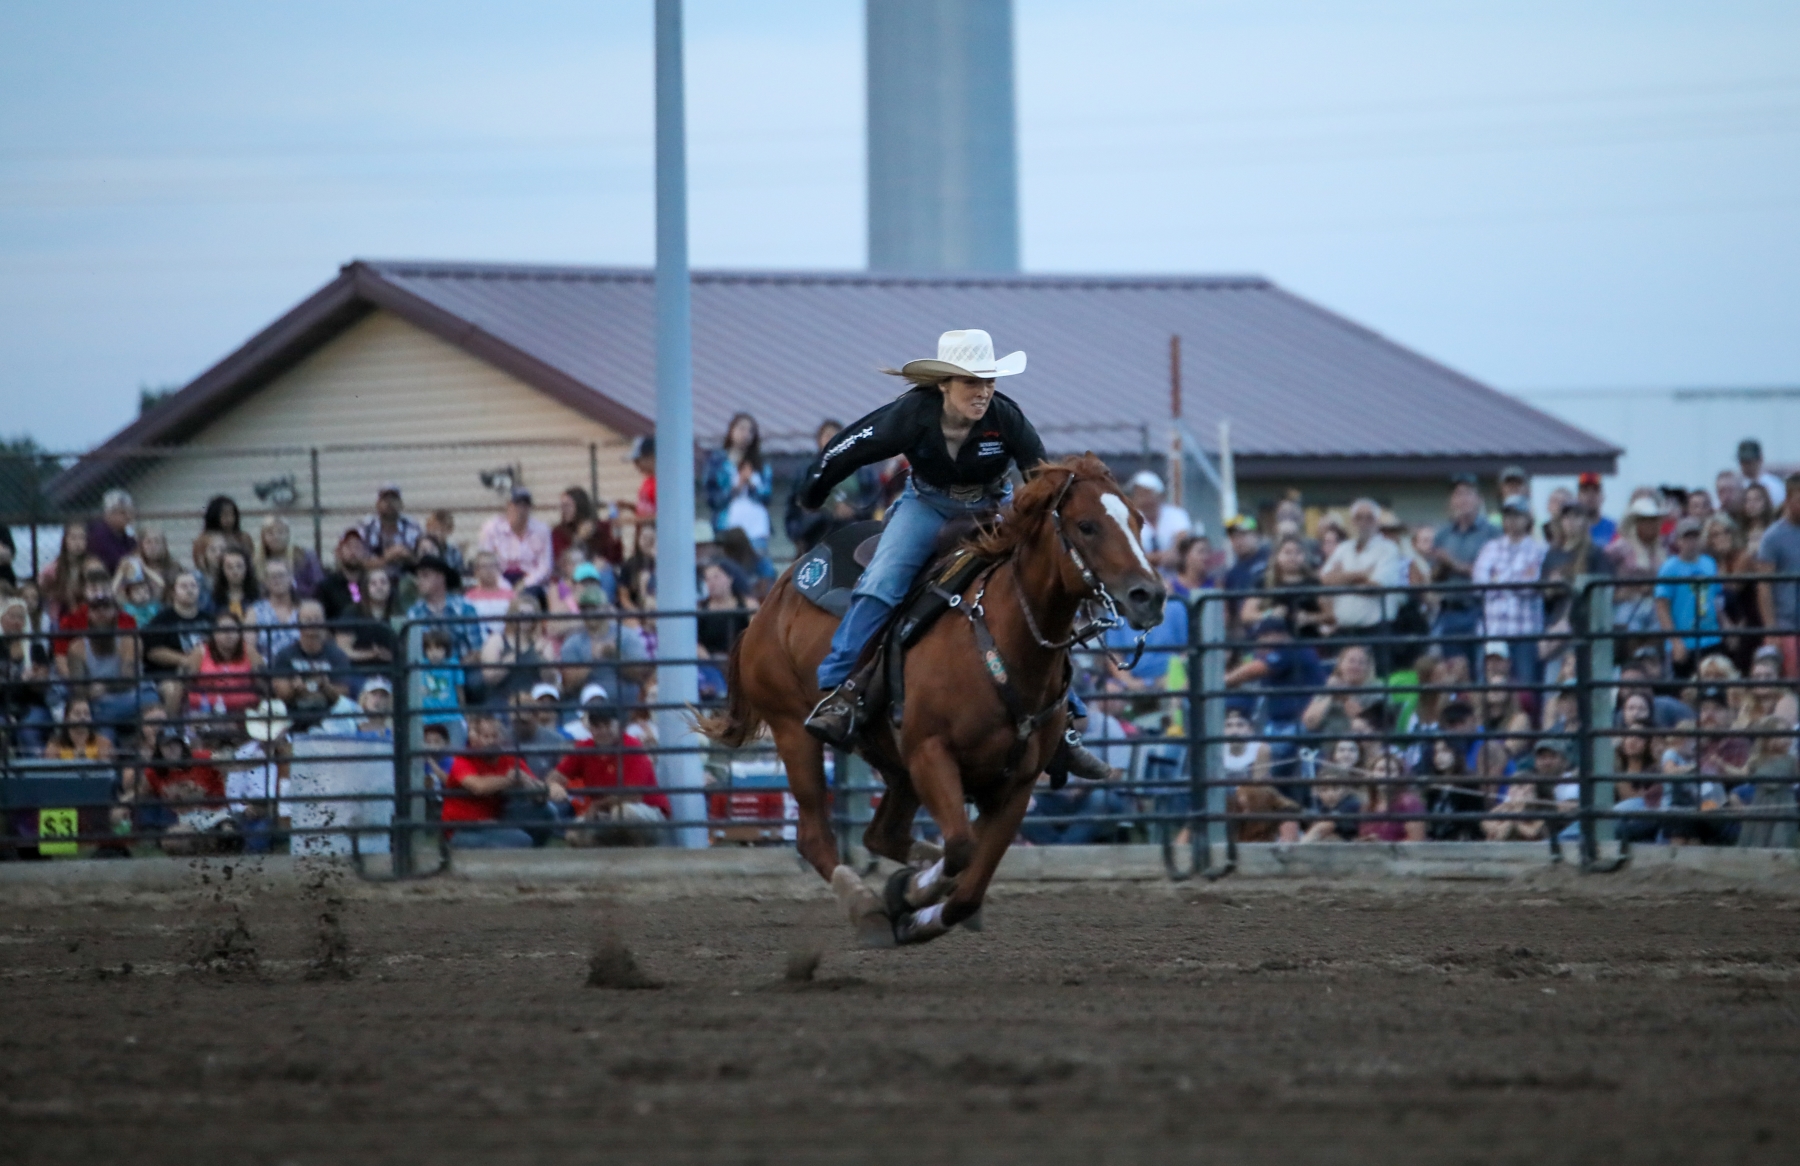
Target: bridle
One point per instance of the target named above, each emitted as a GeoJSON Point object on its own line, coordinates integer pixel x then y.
{"type": "Point", "coordinates": [1097, 604]}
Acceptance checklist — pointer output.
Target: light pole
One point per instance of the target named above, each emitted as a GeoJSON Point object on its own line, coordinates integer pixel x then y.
{"type": "Point", "coordinates": [677, 684]}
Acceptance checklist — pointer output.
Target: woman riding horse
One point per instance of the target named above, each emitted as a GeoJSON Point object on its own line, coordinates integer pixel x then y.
{"type": "Point", "coordinates": [959, 435]}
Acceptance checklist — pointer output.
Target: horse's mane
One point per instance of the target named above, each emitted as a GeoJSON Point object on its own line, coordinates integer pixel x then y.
{"type": "Point", "coordinates": [1031, 505]}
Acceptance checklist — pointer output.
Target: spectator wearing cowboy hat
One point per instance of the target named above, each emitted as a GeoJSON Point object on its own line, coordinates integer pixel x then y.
{"type": "Point", "coordinates": [389, 535]}
{"type": "Point", "coordinates": [1590, 495]}
{"type": "Point", "coordinates": [436, 606]}
{"type": "Point", "coordinates": [1750, 461]}
{"type": "Point", "coordinates": [1164, 522]}
{"type": "Point", "coordinates": [520, 542]}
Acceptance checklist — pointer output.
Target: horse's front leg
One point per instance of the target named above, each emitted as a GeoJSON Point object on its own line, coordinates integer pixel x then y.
{"type": "Point", "coordinates": [997, 833]}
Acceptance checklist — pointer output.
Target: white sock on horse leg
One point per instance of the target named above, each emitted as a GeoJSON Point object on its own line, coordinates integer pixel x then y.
{"type": "Point", "coordinates": [929, 918]}
{"type": "Point", "coordinates": [927, 878]}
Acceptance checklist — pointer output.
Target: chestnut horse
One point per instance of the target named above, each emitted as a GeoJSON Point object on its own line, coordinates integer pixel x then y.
{"type": "Point", "coordinates": [1069, 544]}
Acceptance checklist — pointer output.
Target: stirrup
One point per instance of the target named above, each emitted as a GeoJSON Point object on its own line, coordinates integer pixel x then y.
{"type": "Point", "coordinates": [1084, 763]}
{"type": "Point", "coordinates": [833, 719]}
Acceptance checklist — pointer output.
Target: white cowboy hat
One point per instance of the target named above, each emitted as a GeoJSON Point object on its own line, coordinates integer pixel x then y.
{"type": "Point", "coordinates": [966, 352]}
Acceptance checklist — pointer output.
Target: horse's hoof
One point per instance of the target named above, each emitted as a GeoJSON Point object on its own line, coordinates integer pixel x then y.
{"type": "Point", "coordinates": [923, 853]}
{"type": "Point", "coordinates": [854, 896]}
{"type": "Point", "coordinates": [893, 894]}
{"type": "Point", "coordinates": [875, 932]}
{"type": "Point", "coordinates": [920, 926]}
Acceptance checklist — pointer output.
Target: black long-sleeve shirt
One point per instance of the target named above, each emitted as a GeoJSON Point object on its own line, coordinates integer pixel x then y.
{"type": "Point", "coordinates": [912, 424]}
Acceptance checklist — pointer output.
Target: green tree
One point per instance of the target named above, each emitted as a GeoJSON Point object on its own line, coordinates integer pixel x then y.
{"type": "Point", "coordinates": [25, 467]}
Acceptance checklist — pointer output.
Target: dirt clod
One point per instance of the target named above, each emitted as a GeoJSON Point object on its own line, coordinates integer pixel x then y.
{"type": "Point", "coordinates": [613, 965]}
{"type": "Point", "coordinates": [228, 950]}
{"type": "Point", "coordinates": [802, 966]}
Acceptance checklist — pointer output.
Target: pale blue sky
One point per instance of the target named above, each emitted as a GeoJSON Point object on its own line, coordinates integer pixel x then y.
{"type": "Point", "coordinates": [1540, 194]}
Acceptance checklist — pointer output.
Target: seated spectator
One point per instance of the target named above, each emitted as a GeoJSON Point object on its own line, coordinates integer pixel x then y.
{"type": "Point", "coordinates": [180, 793]}
{"type": "Point", "coordinates": [1774, 771]}
{"type": "Point", "coordinates": [1337, 805]}
{"type": "Point", "coordinates": [1686, 601]}
{"type": "Point", "coordinates": [63, 580]}
{"type": "Point", "coordinates": [1535, 790]}
{"type": "Point", "coordinates": [275, 618]}
{"type": "Point", "coordinates": [637, 578]}
{"type": "Point", "coordinates": [725, 611]}
{"type": "Point", "coordinates": [340, 590]}
{"type": "Point", "coordinates": [234, 586]}
{"type": "Point", "coordinates": [490, 596]}
{"type": "Point", "coordinates": [581, 525]}
{"type": "Point", "coordinates": [77, 737]}
{"type": "Point", "coordinates": [1244, 760]}
{"type": "Point", "coordinates": [440, 680]}
{"type": "Point", "coordinates": [440, 525]}
{"type": "Point", "coordinates": [96, 653]}
{"type": "Point", "coordinates": [1770, 698]}
{"type": "Point", "coordinates": [607, 652]}
{"type": "Point", "coordinates": [1193, 568]}
{"type": "Point", "coordinates": [388, 535]}
{"type": "Point", "coordinates": [520, 542]}
{"type": "Point", "coordinates": [1284, 670]}
{"type": "Point", "coordinates": [752, 565]}
{"type": "Point", "coordinates": [220, 527]}
{"type": "Point", "coordinates": [159, 564]}
{"type": "Point", "coordinates": [613, 759]}
{"type": "Point", "coordinates": [1450, 790]}
{"type": "Point", "coordinates": [376, 704]}
{"type": "Point", "coordinates": [1386, 796]}
{"type": "Point", "coordinates": [1050, 818]}
{"type": "Point", "coordinates": [1285, 581]}
{"type": "Point", "coordinates": [1163, 643]}
{"type": "Point", "coordinates": [366, 631]}
{"type": "Point", "coordinates": [311, 673]}
{"type": "Point", "coordinates": [643, 460]}
{"type": "Point", "coordinates": [1779, 551]}
{"type": "Point", "coordinates": [1739, 610]}
{"type": "Point", "coordinates": [24, 682]}
{"type": "Point", "coordinates": [1330, 713]}
{"type": "Point", "coordinates": [435, 756]}
{"type": "Point", "coordinates": [437, 607]}
{"type": "Point", "coordinates": [275, 544]}
{"type": "Point", "coordinates": [109, 537]}
{"type": "Point", "coordinates": [1720, 756]}
{"type": "Point", "coordinates": [535, 735]}
{"type": "Point", "coordinates": [225, 678]}
{"type": "Point", "coordinates": [520, 657]}
{"type": "Point", "coordinates": [477, 787]}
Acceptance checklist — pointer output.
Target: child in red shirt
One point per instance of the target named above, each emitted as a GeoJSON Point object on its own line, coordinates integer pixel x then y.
{"type": "Point", "coordinates": [476, 787]}
{"type": "Point", "coordinates": [612, 761]}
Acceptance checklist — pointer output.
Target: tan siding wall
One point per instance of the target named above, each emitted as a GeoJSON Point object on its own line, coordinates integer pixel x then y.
{"type": "Point", "coordinates": [385, 381]}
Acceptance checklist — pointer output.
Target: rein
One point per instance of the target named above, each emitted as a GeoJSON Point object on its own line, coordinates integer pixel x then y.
{"type": "Point", "coordinates": [1025, 725]}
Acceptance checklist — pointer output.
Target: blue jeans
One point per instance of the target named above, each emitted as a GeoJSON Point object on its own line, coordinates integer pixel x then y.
{"type": "Point", "coordinates": [1042, 828]}
{"type": "Point", "coordinates": [499, 839]}
{"type": "Point", "coordinates": [1459, 629]}
{"type": "Point", "coordinates": [907, 540]}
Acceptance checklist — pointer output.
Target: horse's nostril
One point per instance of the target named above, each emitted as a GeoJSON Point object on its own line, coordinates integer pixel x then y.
{"type": "Point", "coordinates": [1139, 596]}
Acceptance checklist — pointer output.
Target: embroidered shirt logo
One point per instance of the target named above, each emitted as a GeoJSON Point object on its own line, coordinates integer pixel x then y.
{"type": "Point", "coordinates": [810, 574]}
{"type": "Point", "coordinates": [840, 447]}
{"type": "Point", "coordinates": [990, 449]}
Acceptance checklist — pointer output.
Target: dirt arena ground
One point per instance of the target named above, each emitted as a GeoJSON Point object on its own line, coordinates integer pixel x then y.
{"type": "Point", "coordinates": [1551, 1021]}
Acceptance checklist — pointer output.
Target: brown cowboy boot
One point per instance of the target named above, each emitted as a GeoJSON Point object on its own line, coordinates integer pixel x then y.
{"type": "Point", "coordinates": [1085, 764]}
{"type": "Point", "coordinates": [834, 719]}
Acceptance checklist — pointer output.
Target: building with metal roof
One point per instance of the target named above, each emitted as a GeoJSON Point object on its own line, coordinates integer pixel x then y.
{"type": "Point", "coordinates": [1314, 400]}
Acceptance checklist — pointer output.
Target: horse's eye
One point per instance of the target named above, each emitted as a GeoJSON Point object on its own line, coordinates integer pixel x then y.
{"type": "Point", "coordinates": [1088, 527]}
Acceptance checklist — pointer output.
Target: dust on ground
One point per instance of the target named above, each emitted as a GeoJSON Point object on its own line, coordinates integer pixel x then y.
{"type": "Point", "coordinates": [1545, 1021]}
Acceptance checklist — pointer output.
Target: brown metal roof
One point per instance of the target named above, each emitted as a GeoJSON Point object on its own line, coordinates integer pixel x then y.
{"type": "Point", "coordinates": [1309, 394]}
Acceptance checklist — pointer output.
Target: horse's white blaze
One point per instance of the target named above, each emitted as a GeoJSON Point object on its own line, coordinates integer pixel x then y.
{"type": "Point", "coordinates": [1117, 511]}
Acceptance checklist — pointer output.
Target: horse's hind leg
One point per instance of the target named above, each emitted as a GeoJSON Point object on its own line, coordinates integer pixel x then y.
{"type": "Point", "coordinates": [804, 759]}
{"type": "Point", "coordinates": [890, 831]}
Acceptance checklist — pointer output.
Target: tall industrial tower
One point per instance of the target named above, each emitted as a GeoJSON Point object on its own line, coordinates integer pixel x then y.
{"type": "Point", "coordinates": [942, 138]}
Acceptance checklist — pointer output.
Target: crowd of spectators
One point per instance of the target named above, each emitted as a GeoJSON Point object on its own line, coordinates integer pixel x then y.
{"type": "Point", "coordinates": [1390, 682]}
{"type": "Point", "coordinates": [1378, 672]}
{"type": "Point", "coordinates": [536, 645]}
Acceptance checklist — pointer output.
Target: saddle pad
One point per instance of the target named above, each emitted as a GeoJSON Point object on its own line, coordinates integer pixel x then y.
{"type": "Point", "coordinates": [827, 573]}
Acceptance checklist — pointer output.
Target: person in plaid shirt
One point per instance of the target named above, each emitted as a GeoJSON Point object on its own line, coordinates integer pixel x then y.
{"type": "Point", "coordinates": [1515, 557]}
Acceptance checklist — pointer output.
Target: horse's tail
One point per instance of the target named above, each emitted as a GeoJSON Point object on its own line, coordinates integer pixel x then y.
{"type": "Point", "coordinates": [737, 724]}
